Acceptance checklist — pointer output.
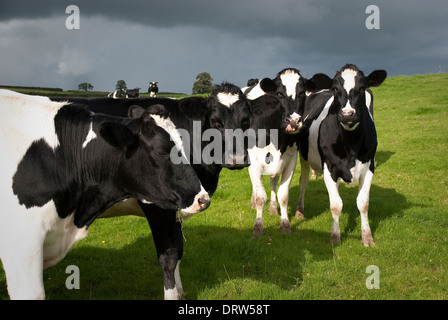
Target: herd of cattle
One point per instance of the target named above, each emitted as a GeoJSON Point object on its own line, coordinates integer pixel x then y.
{"type": "Point", "coordinates": [68, 161]}
{"type": "Point", "coordinates": [133, 93]}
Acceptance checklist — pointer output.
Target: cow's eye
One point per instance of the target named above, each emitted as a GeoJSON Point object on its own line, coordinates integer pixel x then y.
{"type": "Point", "coordinates": [162, 154]}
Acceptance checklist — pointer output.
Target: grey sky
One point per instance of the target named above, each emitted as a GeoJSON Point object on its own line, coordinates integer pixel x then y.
{"type": "Point", "coordinates": [171, 41]}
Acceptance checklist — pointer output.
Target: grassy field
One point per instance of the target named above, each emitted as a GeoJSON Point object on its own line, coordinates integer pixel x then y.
{"type": "Point", "coordinates": [56, 92]}
{"type": "Point", "coordinates": [408, 217]}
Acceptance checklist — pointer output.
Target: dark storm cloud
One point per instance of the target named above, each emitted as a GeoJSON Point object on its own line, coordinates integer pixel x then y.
{"type": "Point", "coordinates": [236, 40]}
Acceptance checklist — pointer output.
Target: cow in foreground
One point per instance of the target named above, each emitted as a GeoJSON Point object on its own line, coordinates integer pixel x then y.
{"type": "Point", "coordinates": [62, 166]}
{"type": "Point", "coordinates": [339, 139]}
{"type": "Point", "coordinates": [277, 106]}
{"type": "Point", "coordinates": [225, 109]}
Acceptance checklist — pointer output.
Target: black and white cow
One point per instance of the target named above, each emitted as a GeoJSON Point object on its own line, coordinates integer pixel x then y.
{"type": "Point", "coordinates": [339, 139]}
{"type": "Point", "coordinates": [132, 93]}
{"type": "Point", "coordinates": [117, 94]}
{"type": "Point", "coordinates": [62, 166]}
{"type": "Point", "coordinates": [153, 89]}
{"type": "Point", "coordinates": [279, 113]}
{"type": "Point", "coordinates": [225, 108]}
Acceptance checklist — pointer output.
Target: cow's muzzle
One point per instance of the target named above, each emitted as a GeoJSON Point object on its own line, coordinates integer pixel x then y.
{"type": "Point", "coordinates": [348, 119]}
{"type": "Point", "coordinates": [200, 203]}
{"type": "Point", "coordinates": [293, 124]}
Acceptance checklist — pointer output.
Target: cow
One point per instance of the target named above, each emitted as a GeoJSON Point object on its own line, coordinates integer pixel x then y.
{"type": "Point", "coordinates": [62, 166]}
{"type": "Point", "coordinates": [153, 89]}
{"type": "Point", "coordinates": [339, 140]}
{"type": "Point", "coordinates": [120, 93]}
{"type": "Point", "coordinates": [250, 83]}
{"type": "Point", "coordinates": [279, 111]}
{"type": "Point", "coordinates": [132, 93]}
{"type": "Point", "coordinates": [225, 108]}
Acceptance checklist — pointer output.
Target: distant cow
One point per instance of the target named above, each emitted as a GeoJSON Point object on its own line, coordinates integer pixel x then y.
{"type": "Point", "coordinates": [62, 166]}
{"type": "Point", "coordinates": [339, 139]}
{"type": "Point", "coordinates": [153, 89]}
{"type": "Point", "coordinates": [120, 93]}
{"type": "Point", "coordinates": [276, 107]}
{"type": "Point", "coordinates": [132, 93]}
{"type": "Point", "coordinates": [225, 108]}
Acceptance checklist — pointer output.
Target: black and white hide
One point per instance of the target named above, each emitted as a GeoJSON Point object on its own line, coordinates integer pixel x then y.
{"type": "Point", "coordinates": [339, 139]}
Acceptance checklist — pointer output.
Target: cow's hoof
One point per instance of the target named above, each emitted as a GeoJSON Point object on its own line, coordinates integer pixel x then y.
{"type": "Point", "coordinates": [258, 229]}
{"type": "Point", "coordinates": [367, 241]}
{"type": "Point", "coordinates": [285, 226]}
{"type": "Point", "coordinates": [335, 238]}
{"type": "Point", "coordinates": [299, 215]}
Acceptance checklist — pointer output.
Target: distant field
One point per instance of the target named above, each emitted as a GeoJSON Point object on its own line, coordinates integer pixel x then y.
{"type": "Point", "coordinates": [56, 92]}
{"type": "Point", "coordinates": [408, 216]}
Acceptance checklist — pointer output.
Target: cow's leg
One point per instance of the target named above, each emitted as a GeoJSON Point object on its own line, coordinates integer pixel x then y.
{"type": "Point", "coordinates": [273, 202]}
{"type": "Point", "coordinates": [283, 193]}
{"type": "Point", "coordinates": [304, 178]}
{"type": "Point", "coordinates": [23, 265]}
{"type": "Point", "coordinates": [362, 202]}
{"type": "Point", "coordinates": [180, 253]}
{"type": "Point", "coordinates": [258, 200]}
{"type": "Point", "coordinates": [165, 233]}
{"type": "Point", "coordinates": [335, 205]}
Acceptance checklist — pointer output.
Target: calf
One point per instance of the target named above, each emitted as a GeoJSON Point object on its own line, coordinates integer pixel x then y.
{"type": "Point", "coordinates": [339, 139]}
{"type": "Point", "coordinates": [225, 108]}
{"type": "Point", "coordinates": [153, 89]}
{"type": "Point", "coordinates": [280, 113]}
{"type": "Point", "coordinates": [62, 166]}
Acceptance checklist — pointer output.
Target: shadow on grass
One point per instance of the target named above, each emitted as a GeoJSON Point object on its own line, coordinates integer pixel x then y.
{"type": "Point", "coordinates": [218, 255]}
{"type": "Point", "coordinates": [213, 256]}
{"type": "Point", "coordinates": [383, 204]}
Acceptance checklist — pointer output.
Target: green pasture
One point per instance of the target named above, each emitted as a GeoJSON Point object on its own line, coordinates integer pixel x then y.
{"type": "Point", "coordinates": [408, 216]}
{"type": "Point", "coordinates": [57, 92]}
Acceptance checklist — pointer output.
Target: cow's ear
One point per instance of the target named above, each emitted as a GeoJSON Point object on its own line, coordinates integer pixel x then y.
{"type": "Point", "coordinates": [135, 111]}
{"type": "Point", "coordinates": [119, 136]}
{"type": "Point", "coordinates": [268, 85]}
{"type": "Point", "coordinates": [319, 82]}
{"type": "Point", "coordinates": [376, 78]}
{"type": "Point", "coordinates": [195, 108]}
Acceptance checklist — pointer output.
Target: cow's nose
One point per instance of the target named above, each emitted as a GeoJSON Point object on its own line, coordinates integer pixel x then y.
{"type": "Point", "coordinates": [293, 125]}
{"type": "Point", "coordinates": [348, 113]}
{"type": "Point", "coordinates": [204, 202]}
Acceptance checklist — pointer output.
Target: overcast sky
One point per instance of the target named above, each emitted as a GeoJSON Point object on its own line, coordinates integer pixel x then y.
{"type": "Point", "coordinates": [171, 41]}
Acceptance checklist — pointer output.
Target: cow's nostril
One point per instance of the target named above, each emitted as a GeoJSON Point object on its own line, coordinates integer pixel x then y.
{"type": "Point", "coordinates": [204, 202]}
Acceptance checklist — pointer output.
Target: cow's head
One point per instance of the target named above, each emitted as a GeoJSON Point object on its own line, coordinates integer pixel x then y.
{"type": "Point", "coordinates": [291, 88]}
{"type": "Point", "coordinates": [228, 112]}
{"type": "Point", "coordinates": [147, 173]}
{"type": "Point", "coordinates": [349, 91]}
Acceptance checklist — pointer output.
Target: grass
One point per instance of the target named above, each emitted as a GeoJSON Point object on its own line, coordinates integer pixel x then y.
{"type": "Point", "coordinates": [57, 92]}
{"type": "Point", "coordinates": [408, 216]}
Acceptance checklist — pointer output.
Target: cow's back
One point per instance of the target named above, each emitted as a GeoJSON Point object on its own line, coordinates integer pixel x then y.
{"type": "Point", "coordinates": [24, 120]}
